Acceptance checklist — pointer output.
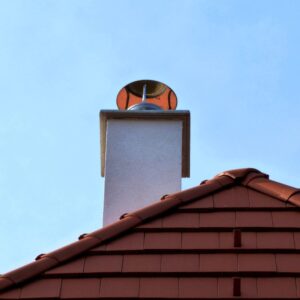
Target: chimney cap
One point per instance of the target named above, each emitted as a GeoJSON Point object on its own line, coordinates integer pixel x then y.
{"type": "Point", "coordinates": [134, 94]}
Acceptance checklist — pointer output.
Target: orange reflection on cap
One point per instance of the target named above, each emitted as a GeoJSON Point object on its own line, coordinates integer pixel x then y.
{"type": "Point", "coordinates": [131, 94]}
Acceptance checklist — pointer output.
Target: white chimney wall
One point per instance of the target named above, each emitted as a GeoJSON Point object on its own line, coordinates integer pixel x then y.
{"type": "Point", "coordinates": [143, 162]}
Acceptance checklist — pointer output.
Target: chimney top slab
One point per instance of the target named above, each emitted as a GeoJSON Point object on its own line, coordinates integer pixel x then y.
{"type": "Point", "coordinates": [178, 115]}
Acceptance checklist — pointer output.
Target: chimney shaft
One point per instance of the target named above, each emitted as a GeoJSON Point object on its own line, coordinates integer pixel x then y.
{"type": "Point", "coordinates": [144, 155]}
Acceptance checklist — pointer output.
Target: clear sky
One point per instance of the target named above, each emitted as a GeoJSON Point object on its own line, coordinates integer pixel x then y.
{"type": "Point", "coordinates": [233, 64]}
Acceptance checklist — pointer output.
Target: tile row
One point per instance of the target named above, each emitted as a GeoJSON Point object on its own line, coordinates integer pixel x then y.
{"type": "Point", "coordinates": [202, 240]}
{"type": "Point", "coordinates": [181, 263]}
{"type": "Point", "coordinates": [237, 197]}
{"type": "Point", "coordinates": [228, 219]}
{"type": "Point", "coordinates": [118, 287]}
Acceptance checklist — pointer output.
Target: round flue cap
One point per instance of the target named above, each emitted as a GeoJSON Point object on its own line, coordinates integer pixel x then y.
{"type": "Point", "coordinates": [146, 92]}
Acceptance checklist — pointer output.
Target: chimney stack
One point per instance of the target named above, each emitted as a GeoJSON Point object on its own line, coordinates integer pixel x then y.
{"type": "Point", "coordinates": [145, 148]}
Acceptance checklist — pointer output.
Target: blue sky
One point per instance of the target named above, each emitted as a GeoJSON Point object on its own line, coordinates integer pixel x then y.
{"type": "Point", "coordinates": [234, 64]}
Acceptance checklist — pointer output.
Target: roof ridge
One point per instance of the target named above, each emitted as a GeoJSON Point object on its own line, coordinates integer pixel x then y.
{"type": "Point", "coordinates": [260, 182]}
{"type": "Point", "coordinates": [247, 177]}
{"type": "Point", "coordinates": [242, 174]}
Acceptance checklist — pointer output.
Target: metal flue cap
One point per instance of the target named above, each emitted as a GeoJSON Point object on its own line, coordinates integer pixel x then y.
{"type": "Point", "coordinates": [146, 95]}
{"type": "Point", "coordinates": [154, 88]}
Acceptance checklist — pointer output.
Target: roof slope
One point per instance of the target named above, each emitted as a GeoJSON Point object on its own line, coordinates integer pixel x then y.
{"type": "Point", "coordinates": [235, 235]}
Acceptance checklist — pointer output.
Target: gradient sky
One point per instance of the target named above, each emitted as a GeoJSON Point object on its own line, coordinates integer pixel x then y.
{"type": "Point", "coordinates": [234, 64]}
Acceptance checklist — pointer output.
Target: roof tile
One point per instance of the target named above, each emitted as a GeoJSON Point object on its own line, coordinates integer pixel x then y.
{"type": "Point", "coordinates": [275, 240]}
{"type": "Point", "coordinates": [103, 263]}
{"type": "Point", "coordinates": [226, 240]}
{"type": "Point", "coordinates": [119, 288]}
{"type": "Point", "coordinates": [75, 266]}
{"type": "Point", "coordinates": [113, 230]}
{"type": "Point", "coordinates": [217, 219]}
{"type": "Point", "coordinates": [43, 288]}
{"type": "Point", "coordinates": [70, 251]}
{"type": "Point", "coordinates": [5, 281]}
{"type": "Point", "coordinates": [248, 240]}
{"type": "Point", "coordinates": [297, 240]}
{"type": "Point", "coordinates": [252, 176]}
{"type": "Point", "coordinates": [241, 174]}
{"type": "Point", "coordinates": [206, 202]}
{"type": "Point", "coordinates": [198, 287]}
{"type": "Point", "coordinates": [256, 262]}
{"type": "Point", "coordinates": [225, 287]}
{"type": "Point", "coordinates": [261, 200]}
{"type": "Point", "coordinates": [286, 219]}
{"type": "Point", "coordinates": [218, 262]}
{"type": "Point", "coordinates": [248, 287]}
{"type": "Point", "coordinates": [181, 220]}
{"type": "Point", "coordinates": [200, 240]}
{"type": "Point", "coordinates": [298, 286]}
{"type": "Point", "coordinates": [159, 287]}
{"type": "Point", "coordinates": [180, 263]}
{"type": "Point", "coordinates": [203, 190]}
{"type": "Point", "coordinates": [142, 263]}
{"type": "Point", "coordinates": [272, 188]}
{"type": "Point", "coordinates": [221, 180]}
{"type": "Point", "coordinates": [233, 197]}
{"type": "Point", "coordinates": [288, 262]}
{"type": "Point", "coordinates": [162, 240]}
{"type": "Point", "coordinates": [295, 199]}
{"type": "Point", "coordinates": [31, 269]}
{"type": "Point", "coordinates": [156, 209]}
{"type": "Point", "coordinates": [278, 287]}
{"type": "Point", "coordinates": [133, 241]}
{"type": "Point", "coordinates": [253, 219]}
{"type": "Point", "coordinates": [11, 294]}
{"type": "Point", "coordinates": [80, 288]}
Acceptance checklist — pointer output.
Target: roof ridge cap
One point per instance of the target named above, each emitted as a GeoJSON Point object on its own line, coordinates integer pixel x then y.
{"type": "Point", "coordinates": [259, 181]}
{"type": "Point", "coordinates": [278, 190]}
{"type": "Point", "coordinates": [241, 174]}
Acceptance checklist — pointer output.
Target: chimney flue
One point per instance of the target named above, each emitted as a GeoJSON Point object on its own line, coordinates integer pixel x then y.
{"type": "Point", "coordinates": [144, 148]}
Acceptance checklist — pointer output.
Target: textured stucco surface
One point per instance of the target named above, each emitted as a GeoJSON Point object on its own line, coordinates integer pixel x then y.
{"type": "Point", "coordinates": [143, 162]}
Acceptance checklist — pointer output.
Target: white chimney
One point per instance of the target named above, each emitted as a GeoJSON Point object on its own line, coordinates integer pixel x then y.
{"type": "Point", "coordinates": [144, 155]}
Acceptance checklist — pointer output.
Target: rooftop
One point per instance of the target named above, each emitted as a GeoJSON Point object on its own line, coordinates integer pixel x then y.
{"type": "Point", "coordinates": [236, 235]}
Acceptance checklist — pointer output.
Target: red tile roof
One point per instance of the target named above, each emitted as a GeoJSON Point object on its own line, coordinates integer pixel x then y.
{"type": "Point", "coordinates": [235, 235]}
